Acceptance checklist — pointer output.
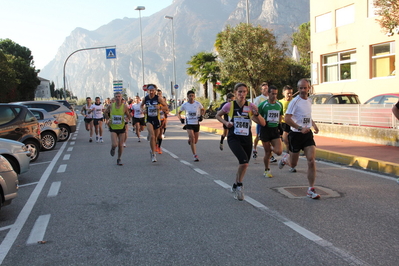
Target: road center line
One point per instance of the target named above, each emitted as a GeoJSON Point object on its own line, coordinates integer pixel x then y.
{"type": "Point", "coordinates": [39, 229]}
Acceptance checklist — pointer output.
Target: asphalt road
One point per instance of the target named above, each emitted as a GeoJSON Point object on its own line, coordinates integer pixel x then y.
{"type": "Point", "coordinates": [77, 207]}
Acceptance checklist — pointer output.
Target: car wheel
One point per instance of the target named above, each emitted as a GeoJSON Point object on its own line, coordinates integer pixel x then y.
{"type": "Point", "coordinates": [34, 149]}
{"type": "Point", "coordinates": [14, 163]}
{"type": "Point", "coordinates": [49, 140]}
{"type": "Point", "coordinates": [65, 132]}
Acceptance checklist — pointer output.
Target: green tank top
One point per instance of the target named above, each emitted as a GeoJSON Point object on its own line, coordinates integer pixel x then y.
{"type": "Point", "coordinates": [117, 117]}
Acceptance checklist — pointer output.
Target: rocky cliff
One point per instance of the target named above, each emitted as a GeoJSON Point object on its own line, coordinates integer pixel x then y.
{"type": "Point", "coordinates": [196, 24]}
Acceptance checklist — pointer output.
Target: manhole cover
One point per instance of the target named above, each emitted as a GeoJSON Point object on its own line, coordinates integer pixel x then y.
{"type": "Point", "coordinates": [300, 192]}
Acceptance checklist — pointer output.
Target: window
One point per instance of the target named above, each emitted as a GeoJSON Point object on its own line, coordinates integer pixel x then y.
{"type": "Point", "coordinates": [383, 60]}
{"type": "Point", "coordinates": [339, 66]}
{"type": "Point", "coordinates": [323, 22]}
{"type": "Point", "coordinates": [372, 12]}
{"type": "Point", "coordinates": [344, 16]}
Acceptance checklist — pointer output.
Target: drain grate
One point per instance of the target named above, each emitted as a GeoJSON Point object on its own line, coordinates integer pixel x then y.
{"type": "Point", "coordinates": [300, 192]}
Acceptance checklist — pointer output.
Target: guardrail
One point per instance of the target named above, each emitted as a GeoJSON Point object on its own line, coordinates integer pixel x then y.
{"type": "Point", "coordinates": [370, 115]}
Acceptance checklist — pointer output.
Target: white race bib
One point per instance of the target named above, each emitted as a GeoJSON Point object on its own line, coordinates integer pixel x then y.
{"type": "Point", "coordinates": [241, 126]}
{"type": "Point", "coordinates": [116, 119]}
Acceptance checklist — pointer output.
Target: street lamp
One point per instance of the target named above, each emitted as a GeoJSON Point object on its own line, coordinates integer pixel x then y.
{"type": "Point", "coordinates": [174, 60]}
{"type": "Point", "coordinates": [139, 8]}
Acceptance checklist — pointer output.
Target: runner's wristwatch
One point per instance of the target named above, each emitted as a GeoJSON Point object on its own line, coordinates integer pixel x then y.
{"type": "Point", "coordinates": [300, 128]}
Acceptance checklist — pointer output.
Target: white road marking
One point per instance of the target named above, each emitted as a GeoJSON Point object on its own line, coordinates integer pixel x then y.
{"type": "Point", "coordinates": [72, 143]}
{"type": "Point", "coordinates": [61, 168]}
{"type": "Point", "coordinates": [54, 189]}
{"type": "Point", "coordinates": [200, 171]}
{"type": "Point", "coordinates": [12, 235]}
{"type": "Point", "coordinates": [70, 149]}
{"type": "Point", "coordinates": [66, 157]}
{"type": "Point", "coordinates": [32, 164]}
{"type": "Point", "coordinates": [29, 184]}
{"type": "Point", "coordinates": [39, 229]}
{"type": "Point", "coordinates": [5, 227]}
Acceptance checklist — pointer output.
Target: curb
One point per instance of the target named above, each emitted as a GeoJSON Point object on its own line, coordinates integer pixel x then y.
{"type": "Point", "coordinates": [341, 158]}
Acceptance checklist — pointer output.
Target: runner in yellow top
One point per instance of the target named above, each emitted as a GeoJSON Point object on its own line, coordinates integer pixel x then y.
{"type": "Point", "coordinates": [115, 114]}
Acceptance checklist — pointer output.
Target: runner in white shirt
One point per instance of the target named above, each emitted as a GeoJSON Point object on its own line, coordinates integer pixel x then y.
{"type": "Point", "coordinates": [97, 110]}
{"type": "Point", "coordinates": [194, 114]}
{"type": "Point", "coordinates": [88, 117]}
{"type": "Point", "coordinates": [138, 121]}
{"type": "Point", "coordinates": [299, 117]}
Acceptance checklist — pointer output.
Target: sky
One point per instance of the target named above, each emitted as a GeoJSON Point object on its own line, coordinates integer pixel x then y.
{"type": "Point", "coordinates": [43, 25]}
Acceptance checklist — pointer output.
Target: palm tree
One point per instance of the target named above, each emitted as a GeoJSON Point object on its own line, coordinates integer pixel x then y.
{"type": "Point", "coordinates": [203, 66]}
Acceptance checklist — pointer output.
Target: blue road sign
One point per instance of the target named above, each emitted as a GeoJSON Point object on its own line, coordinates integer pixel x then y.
{"type": "Point", "coordinates": [110, 53]}
{"type": "Point", "coordinates": [176, 86]}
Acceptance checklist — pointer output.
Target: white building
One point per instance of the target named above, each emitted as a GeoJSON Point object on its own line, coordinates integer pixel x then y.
{"type": "Point", "coordinates": [43, 89]}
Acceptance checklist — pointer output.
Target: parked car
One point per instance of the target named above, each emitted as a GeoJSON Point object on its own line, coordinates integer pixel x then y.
{"type": "Point", "coordinates": [335, 98]}
{"type": "Point", "coordinates": [16, 154]}
{"type": "Point", "coordinates": [387, 98]}
{"type": "Point", "coordinates": [8, 182]}
{"type": "Point", "coordinates": [18, 123]}
{"type": "Point", "coordinates": [49, 130]}
{"type": "Point", "coordinates": [65, 117]}
{"type": "Point", "coordinates": [70, 106]}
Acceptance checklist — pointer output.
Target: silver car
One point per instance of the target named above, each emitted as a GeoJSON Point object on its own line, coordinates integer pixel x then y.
{"type": "Point", "coordinates": [16, 153]}
{"type": "Point", "coordinates": [8, 182]}
{"type": "Point", "coordinates": [49, 130]}
{"type": "Point", "coordinates": [66, 118]}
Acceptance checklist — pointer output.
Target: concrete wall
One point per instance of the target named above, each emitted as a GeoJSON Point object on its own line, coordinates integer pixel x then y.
{"type": "Point", "coordinates": [384, 136]}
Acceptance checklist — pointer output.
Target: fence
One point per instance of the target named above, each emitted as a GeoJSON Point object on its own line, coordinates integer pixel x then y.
{"type": "Point", "coordinates": [377, 115]}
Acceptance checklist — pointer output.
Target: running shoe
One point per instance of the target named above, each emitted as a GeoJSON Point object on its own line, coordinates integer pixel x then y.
{"type": "Point", "coordinates": [119, 162]}
{"type": "Point", "coordinates": [196, 159]}
{"type": "Point", "coordinates": [268, 173]}
{"type": "Point", "coordinates": [96, 139]}
{"type": "Point", "coordinates": [124, 145]}
{"type": "Point", "coordinates": [312, 193]}
{"type": "Point", "coordinates": [90, 140]}
{"type": "Point", "coordinates": [159, 150]}
{"type": "Point", "coordinates": [273, 160]}
{"type": "Point", "coordinates": [239, 193]}
{"type": "Point", "coordinates": [112, 151]}
{"type": "Point", "coordinates": [101, 140]}
{"type": "Point", "coordinates": [292, 170]}
{"type": "Point", "coordinates": [153, 158]}
{"type": "Point", "coordinates": [234, 188]}
{"type": "Point", "coordinates": [254, 154]}
{"type": "Point", "coordinates": [221, 146]}
{"type": "Point", "coordinates": [163, 136]}
{"type": "Point", "coordinates": [156, 148]}
{"type": "Point", "coordinates": [281, 163]}
{"type": "Point", "coordinates": [139, 140]}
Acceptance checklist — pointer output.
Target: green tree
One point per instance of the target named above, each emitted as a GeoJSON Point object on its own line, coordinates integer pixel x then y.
{"type": "Point", "coordinates": [301, 39]}
{"type": "Point", "coordinates": [20, 60]}
{"type": "Point", "coordinates": [8, 80]}
{"type": "Point", "coordinates": [52, 89]}
{"type": "Point", "coordinates": [203, 66]}
{"type": "Point", "coordinates": [388, 10]}
{"type": "Point", "coordinates": [251, 55]}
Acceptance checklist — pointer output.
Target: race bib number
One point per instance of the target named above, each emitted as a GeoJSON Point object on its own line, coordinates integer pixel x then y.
{"type": "Point", "coordinates": [241, 126]}
{"type": "Point", "coordinates": [117, 119]}
{"type": "Point", "coordinates": [306, 121]}
{"type": "Point", "coordinates": [152, 111]}
{"type": "Point", "coordinates": [273, 116]}
{"type": "Point", "coordinates": [192, 119]}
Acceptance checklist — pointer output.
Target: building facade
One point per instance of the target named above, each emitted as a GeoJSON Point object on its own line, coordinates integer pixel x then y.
{"type": "Point", "coordinates": [43, 89]}
{"type": "Point", "coordinates": [350, 51]}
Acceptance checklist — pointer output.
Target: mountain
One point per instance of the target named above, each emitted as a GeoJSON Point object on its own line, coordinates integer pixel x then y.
{"type": "Point", "coordinates": [196, 24]}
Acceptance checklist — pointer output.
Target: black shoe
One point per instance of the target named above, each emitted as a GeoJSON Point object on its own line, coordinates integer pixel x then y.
{"type": "Point", "coordinates": [273, 160]}
{"type": "Point", "coordinates": [112, 152]}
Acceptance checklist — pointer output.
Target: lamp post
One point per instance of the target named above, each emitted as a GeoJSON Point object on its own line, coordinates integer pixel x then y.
{"type": "Point", "coordinates": [174, 58]}
{"type": "Point", "coordinates": [139, 8]}
{"type": "Point", "coordinates": [250, 91]}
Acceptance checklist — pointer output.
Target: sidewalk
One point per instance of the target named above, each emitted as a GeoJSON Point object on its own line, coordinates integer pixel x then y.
{"type": "Point", "coordinates": [375, 157]}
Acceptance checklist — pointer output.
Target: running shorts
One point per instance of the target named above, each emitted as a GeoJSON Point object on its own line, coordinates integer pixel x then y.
{"type": "Point", "coordinates": [269, 133]}
{"type": "Point", "coordinates": [299, 141]}
{"type": "Point", "coordinates": [241, 146]}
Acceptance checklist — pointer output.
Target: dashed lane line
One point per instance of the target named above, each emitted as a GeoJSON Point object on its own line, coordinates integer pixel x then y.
{"type": "Point", "coordinates": [16, 228]}
{"type": "Point", "coordinates": [294, 226]}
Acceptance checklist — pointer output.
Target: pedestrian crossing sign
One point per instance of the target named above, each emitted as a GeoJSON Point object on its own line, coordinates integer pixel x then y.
{"type": "Point", "coordinates": [110, 53]}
